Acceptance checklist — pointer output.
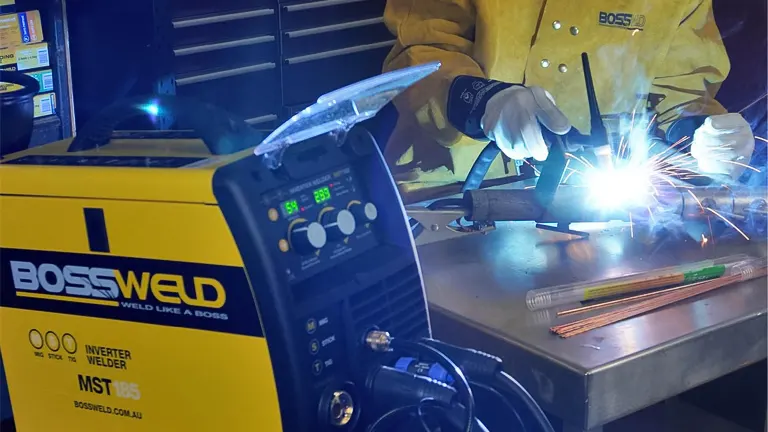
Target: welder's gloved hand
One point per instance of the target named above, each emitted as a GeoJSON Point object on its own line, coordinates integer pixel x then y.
{"type": "Point", "coordinates": [721, 141]}
{"type": "Point", "coordinates": [514, 117]}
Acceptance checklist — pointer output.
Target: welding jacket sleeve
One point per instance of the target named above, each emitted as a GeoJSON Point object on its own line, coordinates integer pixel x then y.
{"type": "Point", "coordinates": [433, 30]}
{"type": "Point", "coordinates": [695, 66]}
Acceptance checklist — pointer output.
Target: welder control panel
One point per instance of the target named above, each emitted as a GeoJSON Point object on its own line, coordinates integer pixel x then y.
{"type": "Point", "coordinates": [320, 221]}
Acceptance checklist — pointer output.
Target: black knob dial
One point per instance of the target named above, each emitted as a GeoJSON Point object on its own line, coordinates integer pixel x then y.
{"type": "Point", "coordinates": [364, 212]}
{"type": "Point", "coordinates": [307, 237]}
{"type": "Point", "coordinates": [338, 223]}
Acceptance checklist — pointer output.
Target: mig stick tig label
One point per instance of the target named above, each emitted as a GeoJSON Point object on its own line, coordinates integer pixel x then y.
{"type": "Point", "coordinates": [75, 373]}
{"type": "Point", "coordinates": [104, 343]}
{"type": "Point", "coordinates": [168, 293]}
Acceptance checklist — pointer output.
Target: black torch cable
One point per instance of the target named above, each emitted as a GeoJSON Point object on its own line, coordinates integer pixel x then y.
{"type": "Point", "coordinates": [447, 415]}
{"type": "Point", "coordinates": [481, 166]}
{"type": "Point", "coordinates": [504, 400]}
{"type": "Point", "coordinates": [390, 415]}
{"type": "Point", "coordinates": [505, 383]}
{"type": "Point", "coordinates": [460, 381]}
{"type": "Point", "coordinates": [426, 403]}
{"type": "Point", "coordinates": [410, 410]}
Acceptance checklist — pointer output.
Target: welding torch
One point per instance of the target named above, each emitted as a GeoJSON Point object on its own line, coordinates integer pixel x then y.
{"type": "Point", "coordinates": [555, 165]}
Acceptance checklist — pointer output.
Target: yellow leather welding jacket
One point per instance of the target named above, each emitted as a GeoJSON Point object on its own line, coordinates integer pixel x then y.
{"type": "Point", "coordinates": [670, 49]}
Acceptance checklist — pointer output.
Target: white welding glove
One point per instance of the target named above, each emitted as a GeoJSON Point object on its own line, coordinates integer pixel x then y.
{"type": "Point", "coordinates": [513, 117]}
{"type": "Point", "coordinates": [721, 141]}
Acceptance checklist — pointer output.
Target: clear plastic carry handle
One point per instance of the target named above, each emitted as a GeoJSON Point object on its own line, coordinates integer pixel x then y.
{"type": "Point", "coordinates": [339, 110]}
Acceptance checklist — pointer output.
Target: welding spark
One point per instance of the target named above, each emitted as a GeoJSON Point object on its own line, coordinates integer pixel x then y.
{"type": "Point", "coordinates": [661, 158]}
{"type": "Point", "coordinates": [696, 199]}
{"type": "Point", "coordinates": [650, 123]}
{"type": "Point", "coordinates": [632, 183]}
{"type": "Point", "coordinates": [704, 240]}
{"type": "Point", "coordinates": [585, 162]}
{"type": "Point", "coordinates": [571, 173]}
{"type": "Point", "coordinates": [726, 220]}
{"type": "Point", "coordinates": [671, 183]}
{"type": "Point", "coordinates": [741, 165]}
{"type": "Point", "coordinates": [579, 159]}
{"type": "Point", "coordinates": [621, 147]}
{"type": "Point", "coordinates": [624, 143]}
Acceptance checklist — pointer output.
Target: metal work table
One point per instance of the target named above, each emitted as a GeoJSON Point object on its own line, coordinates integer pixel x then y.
{"type": "Point", "coordinates": [476, 286]}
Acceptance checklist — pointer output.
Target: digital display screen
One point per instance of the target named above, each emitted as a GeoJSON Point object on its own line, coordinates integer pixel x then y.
{"type": "Point", "coordinates": [290, 207]}
{"type": "Point", "coordinates": [322, 194]}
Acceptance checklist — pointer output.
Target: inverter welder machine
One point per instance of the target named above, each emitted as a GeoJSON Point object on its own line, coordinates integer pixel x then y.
{"type": "Point", "coordinates": [214, 280]}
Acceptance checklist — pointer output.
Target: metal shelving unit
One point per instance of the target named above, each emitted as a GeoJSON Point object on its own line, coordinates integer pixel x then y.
{"type": "Point", "coordinates": [55, 30]}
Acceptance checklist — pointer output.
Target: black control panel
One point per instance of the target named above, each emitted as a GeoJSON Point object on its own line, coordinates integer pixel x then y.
{"type": "Point", "coordinates": [329, 255]}
{"type": "Point", "coordinates": [320, 222]}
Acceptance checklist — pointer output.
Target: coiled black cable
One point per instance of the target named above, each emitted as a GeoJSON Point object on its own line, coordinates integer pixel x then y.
{"type": "Point", "coordinates": [460, 381]}
{"type": "Point", "coordinates": [505, 383]}
{"type": "Point", "coordinates": [390, 416]}
{"type": "Point", "coordinates": [504, 400]}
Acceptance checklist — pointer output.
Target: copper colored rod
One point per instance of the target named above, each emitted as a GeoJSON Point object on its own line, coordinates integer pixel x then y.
{"type": "Point", "coordinates": [657, 302]}
{"type": "Point", "coordinates": [587, 321]}
{"type": "Point", "coordinates": [587, 324]}
{"type": "Point", "coordinates": [644, 307]}
{"type": "Point", "coordinates": [602, 305]}
{"type": "Point", "coordinates": [603, 321]}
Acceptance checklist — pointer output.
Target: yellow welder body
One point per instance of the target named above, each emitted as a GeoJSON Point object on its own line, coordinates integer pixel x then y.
{"type": "Point", "coordinates": [149, 254]}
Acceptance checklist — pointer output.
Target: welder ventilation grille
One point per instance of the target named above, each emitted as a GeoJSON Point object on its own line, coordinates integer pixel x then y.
{"type": "Point", "coordinates": [396, 305]}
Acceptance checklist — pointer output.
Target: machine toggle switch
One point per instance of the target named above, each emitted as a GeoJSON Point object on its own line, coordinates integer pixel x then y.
{"type": "Point", "coordinates": [364, 212]}
{"type": "Point", "coordinates": [338, 223]}
{"type": "Point", "coordinates": [307, 237]}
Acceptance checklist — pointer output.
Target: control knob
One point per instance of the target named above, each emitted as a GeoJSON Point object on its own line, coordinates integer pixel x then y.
{"type": "Point", "coordinates": [338, 223]}
{"type": "Point", "coordinates": [307, 237]}
{"type": "Point", "coordinates": [364, 212]}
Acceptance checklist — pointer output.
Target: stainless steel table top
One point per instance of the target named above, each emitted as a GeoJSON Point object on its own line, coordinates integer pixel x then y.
{"type": "Point", "coordinates": [476, 286]}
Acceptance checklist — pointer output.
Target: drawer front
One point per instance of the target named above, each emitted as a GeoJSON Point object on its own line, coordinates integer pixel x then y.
{"type": "Point", "coordinates": [189, 9]}
{"type": "Point", "coordinates": [226, 52]}
{"type": "Point", "coordinates": [305, 14]}
{"type": "Point", "coordinates": [266, 59]}
{"type": "Point", "coordinates": [307, 78]}
{"type": "Point", "coordinates": [327, 44]}
{"type": "Point", "coordinates": [302, 43]}
{"type": "Point", "coordinates": [224, 28]}
{"type": "Point", "coordinates": [251, 92]}
{"type": "Point", "coordinates": [202, 59]}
